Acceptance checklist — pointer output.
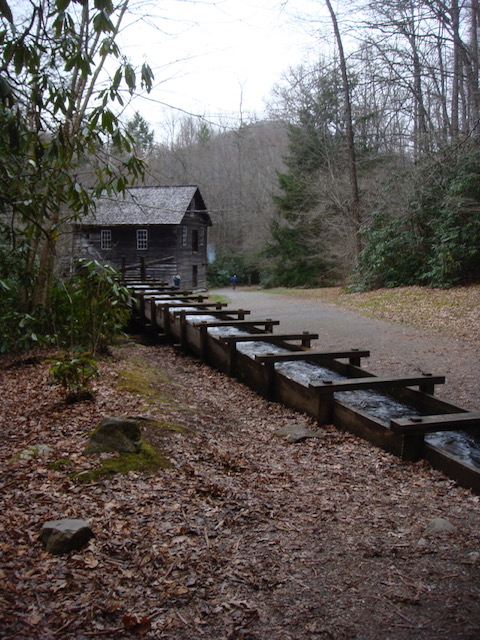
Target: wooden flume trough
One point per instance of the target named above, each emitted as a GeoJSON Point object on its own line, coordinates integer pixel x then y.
{"type": "Point", "coordinates": [170, 315]}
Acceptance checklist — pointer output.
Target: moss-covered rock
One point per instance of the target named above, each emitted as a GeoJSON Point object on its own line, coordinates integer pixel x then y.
{"type": "Point", "coordinates": [148, 459]}
{"type": "Point", "coordinates": [116, 434]}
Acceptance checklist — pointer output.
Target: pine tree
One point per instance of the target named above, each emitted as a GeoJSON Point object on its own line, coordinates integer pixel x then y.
{"type": "Point", "coordinates": [296, 251]}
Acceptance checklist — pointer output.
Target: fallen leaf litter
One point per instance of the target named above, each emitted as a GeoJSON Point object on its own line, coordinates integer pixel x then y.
{"type": "Point", "coordinates": [245, 536]}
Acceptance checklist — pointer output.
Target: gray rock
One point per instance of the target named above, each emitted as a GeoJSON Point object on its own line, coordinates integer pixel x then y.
{"type": "Point", "coordinates": [439, 525]}
{"type": "Point", "coordinates": [116, 434]}
{"type": "Point", "coordinates": [295, 432]}
{"type": "Point", "coordinates": [63, 536]}
{"type": "Point", "coordinates": [35, 451]}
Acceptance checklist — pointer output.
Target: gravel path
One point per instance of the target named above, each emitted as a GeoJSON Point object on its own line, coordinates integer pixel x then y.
{"type": "Point", "coordinates": [395, 349]}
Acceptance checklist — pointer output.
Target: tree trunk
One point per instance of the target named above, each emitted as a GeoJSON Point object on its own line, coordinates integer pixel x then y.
{"type": "Point", "coordinates": [352, 161]}
{"type": "Point", "coordinates": [474, 89]}
{"type": "Point", "coordinates": [455, 120]}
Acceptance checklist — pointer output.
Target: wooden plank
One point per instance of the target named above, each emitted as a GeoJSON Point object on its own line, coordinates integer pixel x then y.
{"type": "Point", "coordinates": [215, 312]}
{"type": "Point", "coordinates": [365, 426]}
{"type": "Point", "coordinates": [147, 263]}
{"type": "Point", "coordinates": [236, 323]}
{"type": "Point", "coordinates": [311, 355]}
{"type": "Point", "coordinates": [198, 305]}
{"type": "Point", "coordinates": [162, 298]}
{"type": "Point", "coordinates": [259, 337]}
{"type": "Point", "coordinates": [461, 471]}
{"type": "Point", "coordinates": [153, 290]}
{"type": "Point", "coordinates": [373, 382]}
{"type": "Point", "coordinates": [443, 422]}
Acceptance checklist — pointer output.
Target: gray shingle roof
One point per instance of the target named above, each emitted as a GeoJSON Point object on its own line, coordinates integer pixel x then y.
{"type": "Point", "coordinates": [144, 206]}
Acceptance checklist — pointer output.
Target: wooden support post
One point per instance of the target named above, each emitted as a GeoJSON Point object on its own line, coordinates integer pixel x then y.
{"type": "Point", "coordinates": [270, 371]}
{"type": "Point", "coordinates": [324, 408]}
{"type": "Point", "coordinates": [355, 359]}
{"type": "Point", "coordinates": [232, 359]}
{"type": "Point", "coordinates": [241, 314]}
{"type": "Point", "coordinates": [412, 447]}
{"type": "Point", "coordinates": [133, 302]}
{"type": "Point", "coordinates": [122, 268]}
{"type": "Point", "coordinates": [183, 330]}
{"type": "Point", "coordinates": [143, 271]}
{"type": "Point", "coordinates": [153, 315]}
{"type": "Point", "coordinates": [166, 320]}
{"type": "Point", "coordinates": [269, 324]}
{"type": "Point", "coordinates": [203, 328]}
{"type": "Point", "coordinates": [141, 307]}
{"type": "Point", "coordinates": [428, 387]}
{"type": "Point", "coordinates": [306, 341]}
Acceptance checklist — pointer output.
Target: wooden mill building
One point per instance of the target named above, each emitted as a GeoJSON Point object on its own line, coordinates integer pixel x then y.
{"type": "Point", "coordinates": [162, 230]}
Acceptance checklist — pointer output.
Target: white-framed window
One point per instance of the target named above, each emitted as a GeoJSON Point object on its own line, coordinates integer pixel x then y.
{"type": "Point", "coordinates": [201, 236]}
{"type": "Point", "coordinates": [105, 239]}
{"type": "Point", "coordinates": [184, 236]}
{"type": "Point", "coordinates": [142, 239]}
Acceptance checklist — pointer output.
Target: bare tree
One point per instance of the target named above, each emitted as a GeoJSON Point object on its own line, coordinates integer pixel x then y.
{"type": "Point", "coordinates": [352, 162]}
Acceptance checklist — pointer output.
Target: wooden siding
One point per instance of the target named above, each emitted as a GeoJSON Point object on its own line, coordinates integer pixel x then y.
{"type": "Point", "coordinates": [171, 224]}
{"type": "Point", "coordinates": [189, 257]}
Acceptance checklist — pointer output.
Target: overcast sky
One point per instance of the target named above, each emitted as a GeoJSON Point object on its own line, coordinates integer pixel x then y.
{"type": "Point", "coordinates": [219, 58]}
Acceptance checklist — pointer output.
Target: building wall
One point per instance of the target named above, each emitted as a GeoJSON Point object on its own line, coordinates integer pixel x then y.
{"type": "Point", "coordinates": [192, 238]}
{"type": "Point", "coordinates": [185, 245]}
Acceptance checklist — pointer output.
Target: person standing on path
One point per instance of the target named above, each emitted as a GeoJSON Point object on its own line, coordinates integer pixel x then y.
{"type": "Point", "coordinates": [234, 281]}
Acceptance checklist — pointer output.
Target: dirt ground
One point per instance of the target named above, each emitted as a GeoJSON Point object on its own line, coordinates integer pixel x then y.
{"type": "Point", "coordinates": [245, 536]}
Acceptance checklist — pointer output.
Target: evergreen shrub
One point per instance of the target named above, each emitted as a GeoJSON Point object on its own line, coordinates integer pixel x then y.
{"type": "Point", "coordinates": [90, 308]}
{"type": "Point", "coordinates": [227, 264]}
{"type": "Point", "coordinates": [436, 242]}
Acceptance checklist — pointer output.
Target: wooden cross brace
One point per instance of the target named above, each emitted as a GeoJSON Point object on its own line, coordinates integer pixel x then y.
{"type": "Point", "coordinates": [327, 388]}
{"type": "Point", "coordinates": [413, 429]}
